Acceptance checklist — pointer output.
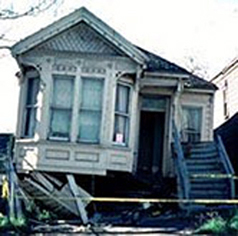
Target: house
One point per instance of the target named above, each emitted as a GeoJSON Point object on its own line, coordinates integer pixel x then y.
{"type": "Point", "coordinates": [229, 134]}
{"type": "Point", "coordinates": [92, 103]}
{"type": "Point", "coordinates": [226, 98]}
{"type": "Point", "coordinates": [226, 109]}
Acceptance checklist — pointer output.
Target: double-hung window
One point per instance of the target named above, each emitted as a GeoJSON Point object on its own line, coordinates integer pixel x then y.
{"type": "Point", "coordinates": [61, 107]}
{"type": "Point", "coordinates": [90, 111]}
{"type": "Point", "coordinates": [33, 85]}
{"type": "Point", "coordinates": [191, 124]}
{"type": "Point", "coordinates": [121, 122]}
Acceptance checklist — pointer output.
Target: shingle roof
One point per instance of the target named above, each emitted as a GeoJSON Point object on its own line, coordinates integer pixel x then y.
{"type": "Point", "coordinates": [159, 64]}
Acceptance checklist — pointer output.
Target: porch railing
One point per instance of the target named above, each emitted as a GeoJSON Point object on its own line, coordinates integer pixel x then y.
{"type": "Point", "coordinates": [182, 172]}
{"type": "Point", "coordinates": [227, 164]}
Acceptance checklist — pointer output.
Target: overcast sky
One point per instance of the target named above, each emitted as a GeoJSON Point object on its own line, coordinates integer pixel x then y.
{"type": "Point", "coordinates": [205, 30]}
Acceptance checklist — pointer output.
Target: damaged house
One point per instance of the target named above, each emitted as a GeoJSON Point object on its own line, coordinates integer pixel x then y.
{"type": "Point", "coordinates": [93, 104]}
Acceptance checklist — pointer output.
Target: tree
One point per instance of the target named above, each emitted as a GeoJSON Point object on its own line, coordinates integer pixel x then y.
{"type": "Point", "coordinates": [194, 66]}
{"type": "Point", "coordinates": [10, 10]}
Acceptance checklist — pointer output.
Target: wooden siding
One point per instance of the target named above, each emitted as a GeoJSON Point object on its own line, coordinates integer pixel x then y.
{"type": "Point", "coordinates": [231, 77]}
{"type": "Point", "coordinates": [204, 101]}
{"type": "Point", "coordinates": [71, 157]}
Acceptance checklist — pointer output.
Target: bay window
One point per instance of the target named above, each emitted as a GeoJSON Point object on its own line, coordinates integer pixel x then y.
{"type": "Point", "coordinates": [121, 122]}
{"type": "Point", "coordinates": [61, 106]}
{"type": "Point", "coordinates": [90, 111]}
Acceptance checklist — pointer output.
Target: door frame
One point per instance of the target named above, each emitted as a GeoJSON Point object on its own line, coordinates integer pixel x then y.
{"type": "Point", "coordinates": [167, 111]}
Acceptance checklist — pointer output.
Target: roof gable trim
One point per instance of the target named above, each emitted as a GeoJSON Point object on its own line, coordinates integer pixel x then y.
{"type": "Point", "coordinates": [72, 19]}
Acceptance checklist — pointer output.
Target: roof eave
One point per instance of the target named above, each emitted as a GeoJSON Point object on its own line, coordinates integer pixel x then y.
{"type": "Point", "coordinates": [74, 18]}
{"type": "Point", "coordinates": [166, 74]}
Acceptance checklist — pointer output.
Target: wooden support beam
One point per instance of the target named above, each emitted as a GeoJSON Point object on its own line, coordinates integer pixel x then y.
{"type": "Point", "coordinates": [75, 191]}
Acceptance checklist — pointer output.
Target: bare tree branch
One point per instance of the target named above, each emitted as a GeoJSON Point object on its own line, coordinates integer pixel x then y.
{"type": "Point", "coordinates": [41, 6]}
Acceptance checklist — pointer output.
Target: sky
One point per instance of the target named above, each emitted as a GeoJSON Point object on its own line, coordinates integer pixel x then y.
{"type": "Point", "coordinates": [205, 30]}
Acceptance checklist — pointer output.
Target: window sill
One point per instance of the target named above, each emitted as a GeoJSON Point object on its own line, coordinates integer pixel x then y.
{"type": "Point", "coordinates": [88, 142]}
{"type": "Point", "coordinates": [60, 139]}
{"type": "Point", "coordinates": [120, 145]}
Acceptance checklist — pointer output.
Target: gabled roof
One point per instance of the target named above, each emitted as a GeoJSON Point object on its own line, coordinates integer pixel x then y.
{"type": "Point", "coordinates": [227, 69]}
{"type": "Point", "coordinates": [149, 61]}
{"type": "Point", "coordinates": [161, 65]}
{"type": "Point", "coordinates": [80, 15]}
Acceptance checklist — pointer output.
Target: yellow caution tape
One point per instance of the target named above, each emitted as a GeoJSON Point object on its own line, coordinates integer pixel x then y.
{"type": "Point", "coordinates": [214, 176]}
{"type": "Point", "coordinates": [143, 200]}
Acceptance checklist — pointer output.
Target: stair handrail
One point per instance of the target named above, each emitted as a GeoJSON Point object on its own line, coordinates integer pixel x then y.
{"type": "Point", "coordinates": [227, 164]}
{"type": "Point", "coordinates": [180, 161]}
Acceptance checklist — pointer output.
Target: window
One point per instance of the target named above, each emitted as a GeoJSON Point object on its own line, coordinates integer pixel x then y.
{"type": "Point", "coordinates": [33, 86]}
{"type": "Point", "coordinates": [61, 107]}
{"type": "Point", "coordinates": [121, 123]}
{"type": "Point", "coordinates": [191, 124]}
{"type": "Point", "coordinates": [90, 110]}
{"type": "Point", "coordinates": [225, 107]}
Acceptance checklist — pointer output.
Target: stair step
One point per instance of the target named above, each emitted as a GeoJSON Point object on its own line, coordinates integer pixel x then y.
{"type": "Point", "coordinates": [202, 161]}
{"type": "Point", "coordinates": [199, 147]}
{"type": "Point", "coordinates": [208, 170]}
{"type": "Point", "coordinates": [209, 180]}
{"type": "Point", "coordinates": [202, 155]}
{"type": "Point", "coordinates": [208, 194]}
{"type": "Point", "coordinates": [208, 186]}
{"type": "Point", "coordinates": [203, 144]}
{"type": "Point", "coordinates": [203, 166]}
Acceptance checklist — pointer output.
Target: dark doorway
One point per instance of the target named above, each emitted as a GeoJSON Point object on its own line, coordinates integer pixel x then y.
{"type": "Point", "coordinates": [151, 142]}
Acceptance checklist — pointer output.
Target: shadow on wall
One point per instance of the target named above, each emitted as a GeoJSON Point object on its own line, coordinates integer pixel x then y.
{"type": "Point", "coordinates": [229, 134]}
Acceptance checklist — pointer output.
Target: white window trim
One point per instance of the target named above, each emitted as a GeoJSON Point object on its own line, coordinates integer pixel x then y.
{"type": "Point", "coordinates": [103, 80]}
{"type": "Point", "coordinates": [196, 106]}
{"type": "Point", "coordinates": [31, 75]}
{"type": "Point", "coordinates": [128, 84]}
{"type": "Point", "coordinates": [57, 138]}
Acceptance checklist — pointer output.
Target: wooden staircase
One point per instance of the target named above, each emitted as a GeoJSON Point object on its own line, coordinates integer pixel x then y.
{"type": "Point", "coordinates": [203, 171]}
{"type": "Point", "coordinates": [203, 164]}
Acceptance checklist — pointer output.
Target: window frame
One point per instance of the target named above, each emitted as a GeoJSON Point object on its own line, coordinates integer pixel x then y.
{"type": "Point", "coordinates": [127, 116]}
{"type": "Point", "coordinates": [60, 108]}
{"type": "Point", "coordinates": [200, 109]}
{"type": "Point", "coordinates": [29, 108]}
{"type": "Point", "coordinates": [81, 108]}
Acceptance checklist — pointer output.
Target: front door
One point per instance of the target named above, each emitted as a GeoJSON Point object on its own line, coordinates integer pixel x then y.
{"type": "Point", "coordinates": [151, 142]}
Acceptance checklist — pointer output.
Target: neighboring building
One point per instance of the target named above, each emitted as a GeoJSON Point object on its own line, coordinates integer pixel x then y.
{"type": "Point", "coordinates": [226, 98]}
{"type": "Point", "coordinates": [92, 102]}
{"type": "Point", "coordinates": [229, 133]}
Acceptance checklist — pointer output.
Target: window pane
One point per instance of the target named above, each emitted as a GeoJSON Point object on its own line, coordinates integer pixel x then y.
{"type": "Point", "coordinates": [92, 94]}
{"type": "Point", "coordinates": [191, 126]}
{"type": "Point", "coordinates": [89, 126]}
{"type": "Point", "coordinates": [30, 122]}
{"type": "Point", "coordinates": [122, 98]}
{"type": "Point", "coordinates": [32, 91]}
{"type": "Point", "coordinates": [90, 109]}
{"type": "Point", "coordinates": [63, 91]}
{"type": "Point", "coordinates": [120, 129]}
{"type": "Point", "coordinates": [60, 123]}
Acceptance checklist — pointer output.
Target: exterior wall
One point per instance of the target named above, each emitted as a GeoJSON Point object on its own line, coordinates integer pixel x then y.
{"type": "Point", "coordinates": [231, 78]}
{"type": "Point", "coordinates": [72, 156]}
{"type": "Point", "coordinates": [203, 101]}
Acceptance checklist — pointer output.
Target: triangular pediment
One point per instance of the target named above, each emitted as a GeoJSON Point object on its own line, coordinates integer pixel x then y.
{"type": "Point", "coordinates": [81, 39]}
{"type": "Point", "coordinates": [80, 31]}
